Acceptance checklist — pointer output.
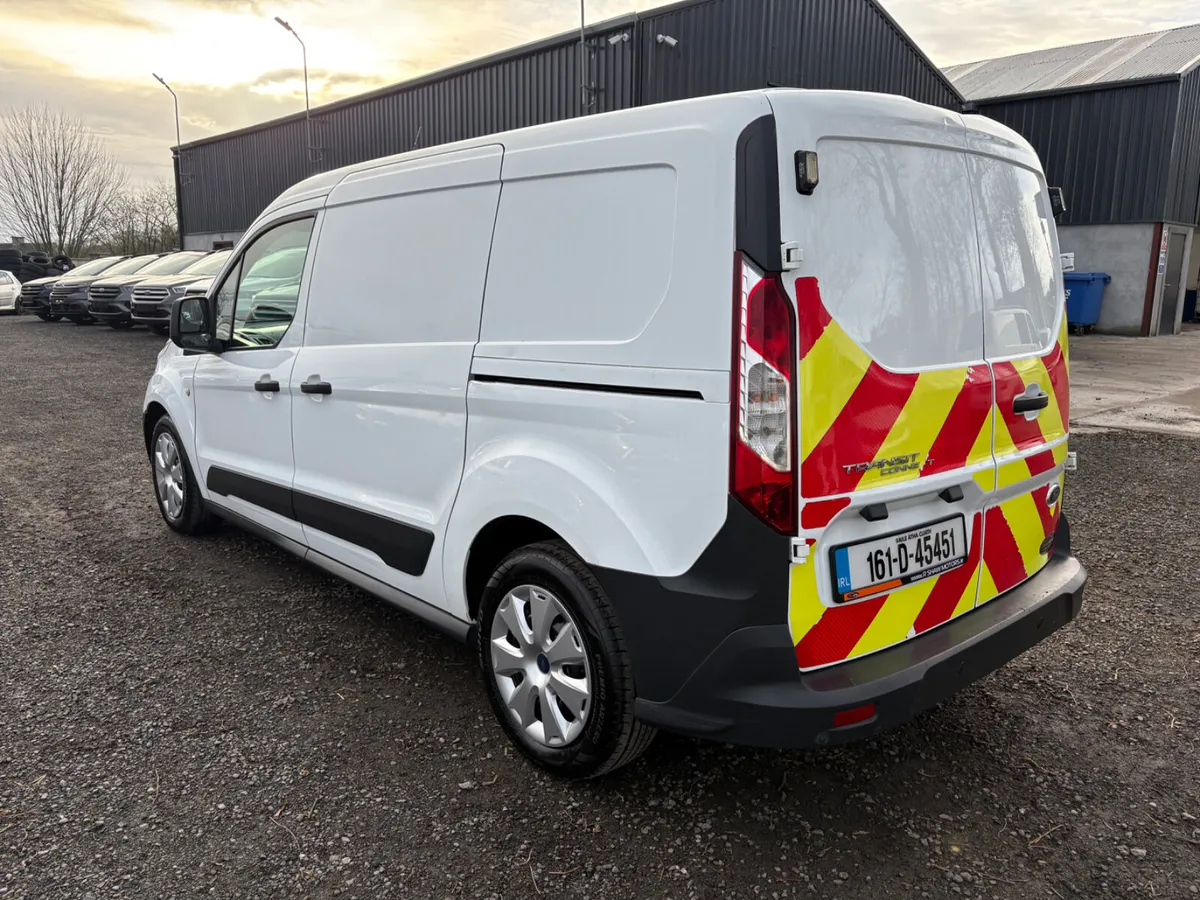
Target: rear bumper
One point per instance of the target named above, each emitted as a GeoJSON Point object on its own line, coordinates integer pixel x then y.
{"type": "Point", "coordinates": [735, 697]}
{"type": "Point", "coordinates": [749, 690]}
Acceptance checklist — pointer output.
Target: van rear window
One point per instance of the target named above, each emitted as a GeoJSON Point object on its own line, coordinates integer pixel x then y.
{"type": "Point", "coordinates": [897, 254]}
{"type": "Point", "coordinates": [1022, 293]}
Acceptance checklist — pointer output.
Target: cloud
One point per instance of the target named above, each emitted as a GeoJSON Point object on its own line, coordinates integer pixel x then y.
{"type": "Point", "coordinates": [109, 13]}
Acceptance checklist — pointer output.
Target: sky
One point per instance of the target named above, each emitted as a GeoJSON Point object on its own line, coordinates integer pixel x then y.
{"type": "Point", "coordinates": [232, 65]}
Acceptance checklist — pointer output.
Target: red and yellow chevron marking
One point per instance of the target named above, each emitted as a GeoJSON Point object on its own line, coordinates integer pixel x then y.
{"type": "Point", "coordinates": [854, 410]}
{"type": "Point", "coordinates": [826, 635]}
{"type": "Point", "coordinates": [1013, 533]}
{"type": "Point", "coordinates": [1015, 529]}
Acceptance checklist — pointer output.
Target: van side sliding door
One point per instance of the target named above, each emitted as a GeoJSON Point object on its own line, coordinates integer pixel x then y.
{"type": "Point", "coordinates": [379, 385]}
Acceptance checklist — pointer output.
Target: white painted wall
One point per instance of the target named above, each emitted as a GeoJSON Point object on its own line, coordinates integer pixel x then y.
{"type": "Point", "coordinates": [205, 241]}
{"type": "Point", "coordinates": [1124, 252]}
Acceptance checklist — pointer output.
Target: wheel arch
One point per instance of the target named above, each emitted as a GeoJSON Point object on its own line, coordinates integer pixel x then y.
{"type": "Point", "coordinates": [494, 542]}
{"type": "Point", "coordinates": [154, 411]}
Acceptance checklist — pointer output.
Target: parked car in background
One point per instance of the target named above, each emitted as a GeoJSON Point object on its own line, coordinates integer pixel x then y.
{"type": "Point", "coordinates": [68, 295]}
{"type": "Point", "coordinates": [152, 297]}
{"type": "Point", "coordinates": [10, 292]}
{"type": "Point", "coordinates": [35, 294]}
{"type": "Point", "coordinates": [110, 299]}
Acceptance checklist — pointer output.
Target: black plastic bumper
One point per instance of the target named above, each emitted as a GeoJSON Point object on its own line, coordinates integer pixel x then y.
{"type": "Point", "coordinates": [113, 311]}
{"type": "Point", "coordinates": [158, 316]}
{"type": "Point", "coordinates": [749, 690]}
{"type": "Point", "coordinates": [68, 308]}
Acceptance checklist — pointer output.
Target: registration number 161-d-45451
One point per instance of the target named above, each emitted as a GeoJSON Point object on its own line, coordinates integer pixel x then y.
{"type": "Point", "coordinates": [884, 564]}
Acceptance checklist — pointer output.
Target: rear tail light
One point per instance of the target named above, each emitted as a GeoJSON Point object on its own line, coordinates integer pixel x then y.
{"type": "Point", "coordinates": [762, 472]}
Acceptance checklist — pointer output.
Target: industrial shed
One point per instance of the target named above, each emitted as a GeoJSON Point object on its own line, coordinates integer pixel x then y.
{"type": "Point", "coordinates": [706, 47]}
{"type": "Point", "coordinates": [1117, 126]}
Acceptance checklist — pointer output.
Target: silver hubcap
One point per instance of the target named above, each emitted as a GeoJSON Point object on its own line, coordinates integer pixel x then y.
{"type": "Point", "coordinates": [540, 666]}
{"type": "Point", "coordinates": [168, 475]}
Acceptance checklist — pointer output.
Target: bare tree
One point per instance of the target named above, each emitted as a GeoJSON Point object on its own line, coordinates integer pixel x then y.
{"type": "Point", "coordinates": [57, 179]}
{"type": "Point", "coordinates": [141, 220]}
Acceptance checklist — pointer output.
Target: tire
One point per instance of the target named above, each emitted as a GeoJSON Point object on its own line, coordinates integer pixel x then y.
{"type": "Point", "coordinates": [81, 320]}
{"type": "Point", "coordinates": [605, 735]}
{"type": "Point", "coordinates": [120, 324]}
{"type": "Point", "coordinates": [187, 515]}
{"type": "Point", "coordinates": [164, 330]}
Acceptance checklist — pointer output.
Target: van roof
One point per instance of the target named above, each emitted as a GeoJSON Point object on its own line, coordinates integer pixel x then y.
{"type": "Point", "coordinates": [699, 110]}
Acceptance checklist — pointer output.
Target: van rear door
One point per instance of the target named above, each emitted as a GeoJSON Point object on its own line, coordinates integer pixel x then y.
{"type": "Point", "coordinates": [1025, 342]}
{"type": "Point", "coordinates": [894, 393]}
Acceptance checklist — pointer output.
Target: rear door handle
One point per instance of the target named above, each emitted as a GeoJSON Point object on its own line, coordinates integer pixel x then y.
{"type": "Point", "coordinates": [1028, 403]}
{"type": "Point", "coordinates": [316, 387]}
{"type": "Point", "coordinates": [267, 385]}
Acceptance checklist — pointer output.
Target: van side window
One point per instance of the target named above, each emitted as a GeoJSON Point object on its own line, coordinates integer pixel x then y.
{"type": "Point", "coordinates": [257, 301]}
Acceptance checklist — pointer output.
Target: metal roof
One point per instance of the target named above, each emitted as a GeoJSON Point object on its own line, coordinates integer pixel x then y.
{"type": "Point", "coordinates": [1141, 57]}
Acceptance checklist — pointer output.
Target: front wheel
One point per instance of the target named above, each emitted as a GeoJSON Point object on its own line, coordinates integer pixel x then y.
{"type": "Point", "coordinates": [81, 320]}
{"type": "Point", "coordinates": [179, 499]}
{"type": "Point", "coordinates": [121, 324]}
{"type": "Point", "coordinates": [160, 329]}
{"type": "Point", "coordinates": [555, 665]}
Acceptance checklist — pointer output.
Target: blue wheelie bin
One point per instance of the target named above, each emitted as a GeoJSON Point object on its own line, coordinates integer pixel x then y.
{"type": "Point", "coordinates": [1085, 292]}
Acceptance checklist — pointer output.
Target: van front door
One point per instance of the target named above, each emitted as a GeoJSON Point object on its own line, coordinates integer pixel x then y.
{"type": "Point", "coordinates": [1026, 347]}
{"type": "Point", "coordinates": [243, 405]}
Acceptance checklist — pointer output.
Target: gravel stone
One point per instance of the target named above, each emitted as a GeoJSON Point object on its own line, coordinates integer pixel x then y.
{"type": "Point", "coordinates": [214, 718]}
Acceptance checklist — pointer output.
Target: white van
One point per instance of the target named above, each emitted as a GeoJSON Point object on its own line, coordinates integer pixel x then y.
{"type": "Point", "coordinates": [742, 417]}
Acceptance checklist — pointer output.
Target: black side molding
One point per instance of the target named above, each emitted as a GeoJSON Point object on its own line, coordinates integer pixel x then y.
{"type": "Point", "coordinates": [272, 497]}
{"type": "Point", "coordinates": [636, 390]}
{"type": "Point", "coordinates": [401, 546]}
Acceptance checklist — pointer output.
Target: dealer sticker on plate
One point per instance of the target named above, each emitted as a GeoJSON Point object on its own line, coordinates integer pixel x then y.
{"type": "Point", "coordinates": [887, 563]}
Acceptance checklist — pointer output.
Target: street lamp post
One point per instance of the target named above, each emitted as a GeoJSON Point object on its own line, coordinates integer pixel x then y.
{"type": "Point", "coordinates": [304, 57]}
{"type": "Point", "coordinates": [175, 156]}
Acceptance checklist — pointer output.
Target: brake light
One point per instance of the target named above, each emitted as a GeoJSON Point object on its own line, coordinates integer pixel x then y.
{"type": "Point", "coordinates": [762, 470]}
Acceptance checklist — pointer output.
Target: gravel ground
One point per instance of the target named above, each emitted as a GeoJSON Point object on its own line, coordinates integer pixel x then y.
{"type": "Point", "coordinates": [212, 717]}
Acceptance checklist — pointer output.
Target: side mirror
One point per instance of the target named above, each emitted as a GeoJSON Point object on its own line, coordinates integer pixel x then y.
{"type": "Point", "coordinates": [1058, 205]}
{"type": "Point", "coordinates": [191, 324]}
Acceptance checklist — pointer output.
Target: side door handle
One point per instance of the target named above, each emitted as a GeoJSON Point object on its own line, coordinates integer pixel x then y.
{"type": "Point", "coordinates": [1031, 402]}
{"type": "Point", "coordinates": [316, 387]}
{"type": "Point", "coordinates": [267, 385]}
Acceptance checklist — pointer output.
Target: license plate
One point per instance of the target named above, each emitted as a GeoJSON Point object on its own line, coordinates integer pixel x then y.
{"type": "Point", "coordinates": [893, 561]}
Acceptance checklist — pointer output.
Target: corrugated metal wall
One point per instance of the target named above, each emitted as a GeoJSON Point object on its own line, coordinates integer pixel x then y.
{"type": "Point", "coordinates": [851, 46]}
{"type": "Point", "coordinates": [1183, 188]}
{"type": "Point", "coordinates": [723, 45]}
{"type": "Point", "coordinates": [1109, 150]}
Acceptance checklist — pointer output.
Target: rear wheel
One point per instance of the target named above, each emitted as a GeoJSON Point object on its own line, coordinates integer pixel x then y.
{"type": "Point", "coordinates": [179, 499]}
{"type": "Point", "coordinates": [554, 662]}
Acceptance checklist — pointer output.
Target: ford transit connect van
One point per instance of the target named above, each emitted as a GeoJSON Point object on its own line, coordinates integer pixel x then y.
{"type": "Point", "coordinates": [742, 417]}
